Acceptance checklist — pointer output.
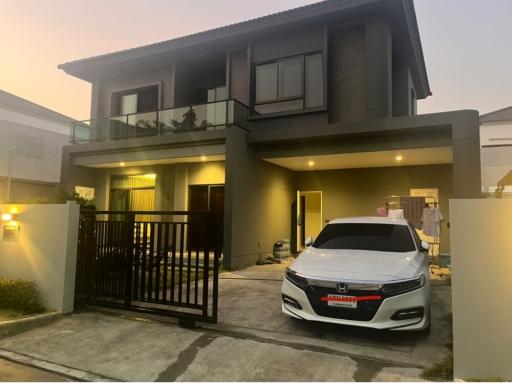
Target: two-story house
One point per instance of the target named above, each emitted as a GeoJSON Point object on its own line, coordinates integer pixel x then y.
{"type": "Point", "coordinates": [31, 141]}
{"type": "Point", "coordinates": [496, 152]}
{"type": "Point", "coordinates": [278, 123]}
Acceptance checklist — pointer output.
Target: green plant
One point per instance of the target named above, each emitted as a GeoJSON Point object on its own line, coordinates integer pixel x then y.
{"type": "Point", "coordinates": [442, 371]}
{"type": "Point", "coordinates": [20, 296]}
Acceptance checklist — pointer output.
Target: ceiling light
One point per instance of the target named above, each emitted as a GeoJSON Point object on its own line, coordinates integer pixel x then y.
{"type": "Point", "coordinates": [122, 164]}
{"type": "Point", "coordinates": [311, 163]}
{"type": "Point", "coordinates": [203, 158]}
{"type": "Point", "coordinates": [399, 158]}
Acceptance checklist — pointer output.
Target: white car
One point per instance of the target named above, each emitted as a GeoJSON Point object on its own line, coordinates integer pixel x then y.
{"type": "Point", "coordinates": [370, 272]}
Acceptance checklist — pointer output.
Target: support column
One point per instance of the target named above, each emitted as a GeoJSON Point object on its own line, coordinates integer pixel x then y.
{"type": "Point", "coordinates": [378, 69]}
{"type": "Point", "coordinates": [467, 180]}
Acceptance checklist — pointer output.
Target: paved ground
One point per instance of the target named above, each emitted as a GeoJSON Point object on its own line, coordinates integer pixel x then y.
{"type": "Point", "coordinates": [114, 347]}
{"type": "Point", "coordinates": [253, 341]}
{"type": "Point", "coordinates": [251, 303]}
{"type": "Point", "coordinates": [15, 372]}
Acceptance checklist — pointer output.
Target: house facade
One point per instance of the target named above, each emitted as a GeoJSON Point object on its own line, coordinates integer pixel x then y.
{"type": "Point", "coordinates": [496, 152]}
{"type": "Point", "coordinates": [31, 141]}
{"type": "Point", "coordinates": [278, 124]}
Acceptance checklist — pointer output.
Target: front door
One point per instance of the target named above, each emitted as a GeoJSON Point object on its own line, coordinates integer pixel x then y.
{"type": "Point", "coordinates": [205, 198]}
{"type": "Point", "coordinates": [308, 211]}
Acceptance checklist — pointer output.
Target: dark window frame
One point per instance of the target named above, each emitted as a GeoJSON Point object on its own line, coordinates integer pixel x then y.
{"type": "Point", "coordinates": [117, 94]}
{"type": "Point", "coordinates": [302, 97]}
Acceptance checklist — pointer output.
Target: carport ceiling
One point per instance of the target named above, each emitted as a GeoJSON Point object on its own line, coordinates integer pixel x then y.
{"type": "Point", "coordinates": [408, 157]}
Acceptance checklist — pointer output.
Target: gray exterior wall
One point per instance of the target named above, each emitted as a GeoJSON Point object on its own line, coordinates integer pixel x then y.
{"type": "Point", "coordinates": [361, 74]}
{"type": "Point", "coordinates": [347, 75]}
{"type": "Point", "coordinates": [259, 196]}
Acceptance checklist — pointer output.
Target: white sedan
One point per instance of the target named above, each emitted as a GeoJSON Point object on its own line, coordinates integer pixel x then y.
{"type": "Point", "coordinates": [369, 272]}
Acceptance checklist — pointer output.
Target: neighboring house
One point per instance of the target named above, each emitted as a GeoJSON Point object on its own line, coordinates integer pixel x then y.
{"type": "Point", "coordinates": [496, 152]}
{"type": "Point", "coordinates": [31, 141]}
{"type": "Point", "coordinates": [304, 115]}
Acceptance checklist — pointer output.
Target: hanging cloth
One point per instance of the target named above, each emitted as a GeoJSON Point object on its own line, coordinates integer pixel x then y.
{"type": "Point", "coordinates": [413, 209]}
{"type": "Point", "coordinates": [431, 221]}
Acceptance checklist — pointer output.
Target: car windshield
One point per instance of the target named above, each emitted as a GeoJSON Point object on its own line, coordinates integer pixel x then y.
{"type": "Point", "coordinates": [366, 236]}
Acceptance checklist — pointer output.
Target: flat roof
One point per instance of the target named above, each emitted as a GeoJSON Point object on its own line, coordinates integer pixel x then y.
{"type": "Point", "coordinates": [401, 10]}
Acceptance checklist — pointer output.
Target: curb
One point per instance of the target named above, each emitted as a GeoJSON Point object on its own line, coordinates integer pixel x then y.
{"type": "Point", "coordinates": [16, 326]}
{"type": "Point", "coordinates": [67, 372]}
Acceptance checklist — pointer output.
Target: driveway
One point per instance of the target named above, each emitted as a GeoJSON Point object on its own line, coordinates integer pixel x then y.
{"type": "Point", "coordinates": [96, 346]}
{"type": "Point", "coordinates": [250, 304]}
{"type": "Point", "coordinates": [254, 341]}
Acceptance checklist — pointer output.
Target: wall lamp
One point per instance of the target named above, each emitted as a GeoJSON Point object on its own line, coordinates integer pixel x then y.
{"type": "Point", "coordinates": [10, 227]}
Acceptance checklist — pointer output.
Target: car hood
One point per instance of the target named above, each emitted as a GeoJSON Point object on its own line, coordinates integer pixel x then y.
{"type": "Point", "coordinates": [357, 265]}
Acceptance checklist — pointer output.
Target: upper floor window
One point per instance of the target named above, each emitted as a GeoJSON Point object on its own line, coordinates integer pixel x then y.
{"type": "Point", "coordinates": [138, 100]}
{"type": "Point", "coordinates": [289, 84]}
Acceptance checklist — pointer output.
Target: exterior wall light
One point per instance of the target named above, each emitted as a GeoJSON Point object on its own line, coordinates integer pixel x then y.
{"type": "Point", "coordinates": [399, 158]}
{"type": "Point", "coordinates": [10, 227]}
{"type": "Point", "coordinates": [311, 163]}
{"type": "Point", "coordinates": [7, 217]}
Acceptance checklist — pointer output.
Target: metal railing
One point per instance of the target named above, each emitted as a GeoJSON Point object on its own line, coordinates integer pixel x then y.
{"type": "Point", "coordinates": [167, 265]}
{"type": "Point", "coordinates": [192, 118]}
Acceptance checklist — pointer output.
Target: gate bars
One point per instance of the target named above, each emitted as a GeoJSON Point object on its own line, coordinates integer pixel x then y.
{"type": "Point", "coordinates": [145, 261]}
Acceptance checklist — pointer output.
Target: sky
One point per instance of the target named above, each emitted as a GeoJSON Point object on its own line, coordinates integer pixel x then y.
{"type": "Point", "coordinates": [466, 44]}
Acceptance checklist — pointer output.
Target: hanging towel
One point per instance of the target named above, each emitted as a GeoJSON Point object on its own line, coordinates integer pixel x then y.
{"type": "Point", "coordinates": [413, 209]}
{"type": "Point", "coordinates": [431, 220]}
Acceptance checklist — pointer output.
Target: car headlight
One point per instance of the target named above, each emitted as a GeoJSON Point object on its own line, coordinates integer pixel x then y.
{"type": "Point", "coordinates": [296, 279]}
{"type": "Point", "coordinates": [396, 288]}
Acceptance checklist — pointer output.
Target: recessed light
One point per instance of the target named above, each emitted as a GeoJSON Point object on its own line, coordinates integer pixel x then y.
{"type": "Point", "coordinates": [399, 158]}
{"type": "Point", "coordinates": [203, 158]}
{"type": "Point", "coordinates": [311, 163]}
{"type": "Point", "coordinates": [122, 164]}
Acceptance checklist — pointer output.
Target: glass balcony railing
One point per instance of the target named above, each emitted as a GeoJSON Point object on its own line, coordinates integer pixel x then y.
{"type": "Point", "coordinates": [209, 116]}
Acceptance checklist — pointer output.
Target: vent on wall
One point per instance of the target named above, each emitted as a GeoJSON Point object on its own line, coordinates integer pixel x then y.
{"type": "Point", "coordinates": [29, 146]}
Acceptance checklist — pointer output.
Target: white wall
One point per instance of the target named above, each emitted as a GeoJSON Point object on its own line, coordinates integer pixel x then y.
{"type": "Point", "coordinates": [496, 160]}
{"type": "Point", "coordinates": [481, 281]}
{"type": "Point", "coordinates": [36, 147]}
{"type": "Point", "coordinates": [44, 251]}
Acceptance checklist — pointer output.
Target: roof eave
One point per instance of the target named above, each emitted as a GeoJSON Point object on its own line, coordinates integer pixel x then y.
{"type": "Point", "coordinates": [423, 86]}
{"type": "Point", "coordinates": [79, 68]}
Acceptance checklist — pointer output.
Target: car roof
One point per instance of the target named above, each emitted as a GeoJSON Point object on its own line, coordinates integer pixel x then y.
{"type": "Point", "coordinates": [379, 220]}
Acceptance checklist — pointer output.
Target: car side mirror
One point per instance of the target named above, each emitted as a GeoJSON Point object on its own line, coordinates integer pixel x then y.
{"type": "Point", "coordinates": [308, 241]}
{"type": "Point", "coordinates": [425, 245]}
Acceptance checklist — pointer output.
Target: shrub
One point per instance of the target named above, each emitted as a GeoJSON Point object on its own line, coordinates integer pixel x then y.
{"type": "Point", "coordinates": [21, 296]}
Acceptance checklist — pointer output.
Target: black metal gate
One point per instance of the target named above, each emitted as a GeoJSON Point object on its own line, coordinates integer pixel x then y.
{"type": "Point", "coordinates": [142, 261]}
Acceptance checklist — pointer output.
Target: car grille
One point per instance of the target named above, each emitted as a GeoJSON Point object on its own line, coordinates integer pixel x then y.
{"type": "Point", "coordinates": [365, 310]}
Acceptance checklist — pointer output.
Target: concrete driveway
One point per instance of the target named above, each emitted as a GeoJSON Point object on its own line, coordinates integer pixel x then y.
{"type": "Point", "coordinates": [250, 304]}
{"type": "Point", "coordinates": [94, 346]}
{"type": "Point", "coordinates": [254, 341]}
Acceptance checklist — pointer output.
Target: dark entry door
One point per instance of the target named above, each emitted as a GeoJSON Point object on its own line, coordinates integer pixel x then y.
{"type": "Point", "coordinates": [217, 206]}
{"type": "Point", "coordinates": [205, 198]}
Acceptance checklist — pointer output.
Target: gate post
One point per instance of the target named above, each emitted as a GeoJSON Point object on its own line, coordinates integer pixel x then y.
{"type": "Point", "coordinates": [128, 283]}
{"type": "Point", "coordinates": [90, 250]}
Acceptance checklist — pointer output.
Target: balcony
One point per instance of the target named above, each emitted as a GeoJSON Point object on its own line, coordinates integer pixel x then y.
{"type": "Point", "coordinates": [193, 118]}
